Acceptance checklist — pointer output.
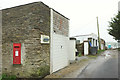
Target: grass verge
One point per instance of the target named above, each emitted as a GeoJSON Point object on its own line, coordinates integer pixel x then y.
{"type": "Point", "coordinates": [100, 51]}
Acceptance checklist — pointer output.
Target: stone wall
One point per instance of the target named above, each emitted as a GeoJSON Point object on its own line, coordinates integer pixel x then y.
{"type": "Point", "coordinates": [25, 24]}
{"type": "Point", "coordinates": [0, 43]}
{"type": "Point", "coordinates": [60, 24]}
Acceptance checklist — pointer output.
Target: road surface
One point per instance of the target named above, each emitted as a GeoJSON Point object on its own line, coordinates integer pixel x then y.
{"type": "Point", "coordinates": [105, 66]}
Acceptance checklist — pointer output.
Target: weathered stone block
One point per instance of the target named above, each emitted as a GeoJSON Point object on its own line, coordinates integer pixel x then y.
{"type": "Point", "coordinates": [25, 24]}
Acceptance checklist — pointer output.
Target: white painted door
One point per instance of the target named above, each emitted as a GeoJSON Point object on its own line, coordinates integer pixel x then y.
{"type": "Point", "coordinates": [60, 52]}
{"type": "Point", "coordinates": [86, 48]}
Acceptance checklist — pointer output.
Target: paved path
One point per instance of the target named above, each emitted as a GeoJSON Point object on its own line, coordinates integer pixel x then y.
{"type": "Point", "coordinates": [105, 66]}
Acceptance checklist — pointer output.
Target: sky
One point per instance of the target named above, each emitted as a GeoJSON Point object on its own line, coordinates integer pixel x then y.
{"type": "Point", "coordinates": [82, 14]}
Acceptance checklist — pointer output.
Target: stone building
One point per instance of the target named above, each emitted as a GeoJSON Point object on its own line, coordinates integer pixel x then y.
{"type": "Point", "coordinates": [34, 40]}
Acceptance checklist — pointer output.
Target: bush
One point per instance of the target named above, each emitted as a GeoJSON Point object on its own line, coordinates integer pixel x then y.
{"type": "Point", "coordinates": [79, 55]}
{"type": "Point", "coordinates": [8, 77]}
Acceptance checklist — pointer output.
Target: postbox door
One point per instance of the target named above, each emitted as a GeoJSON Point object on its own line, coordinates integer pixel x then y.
{"type": "Point", "coordinates": [16, 53]}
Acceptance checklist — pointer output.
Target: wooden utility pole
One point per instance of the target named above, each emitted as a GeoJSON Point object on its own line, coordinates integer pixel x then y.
{"type": "Point", "coordinates": [98, 34]}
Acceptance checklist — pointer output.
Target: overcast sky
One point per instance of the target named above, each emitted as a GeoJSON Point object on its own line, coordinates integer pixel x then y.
{"type": "Point", "coordinates": [82, 14]}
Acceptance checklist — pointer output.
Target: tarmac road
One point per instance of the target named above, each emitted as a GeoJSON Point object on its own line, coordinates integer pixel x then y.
{"type": "Point", "coordinates": [105, 66]}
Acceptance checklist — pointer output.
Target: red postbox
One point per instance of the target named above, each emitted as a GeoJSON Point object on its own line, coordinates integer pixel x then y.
{"type": "Point", "coordinates": [16, 53]}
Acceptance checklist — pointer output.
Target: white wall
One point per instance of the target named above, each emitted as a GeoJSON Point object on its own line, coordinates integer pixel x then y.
{"type": "Point", "coordinates": [98, 44]}
{"type": "Point", "coordinates": [102, 46]}
{"type": "Point", "coordinates": [71, 53]}
{"type": "Point", "coordinates": [86, 50]}
{"type": "Point", "coordinates": [82, 38]}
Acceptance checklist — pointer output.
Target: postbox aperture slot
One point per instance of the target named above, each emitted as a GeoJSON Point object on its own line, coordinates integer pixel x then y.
{"type": "Point", "coordinates": [16, 47]}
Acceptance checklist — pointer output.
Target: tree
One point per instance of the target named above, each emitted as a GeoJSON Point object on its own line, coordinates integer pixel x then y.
{"type": "Point", "coordinates": [114, 27]}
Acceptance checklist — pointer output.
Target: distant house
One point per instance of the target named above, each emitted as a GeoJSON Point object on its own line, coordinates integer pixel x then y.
{"type": "Point", "coordinates": [84, 42]}
{"type": "Point", "coordinates": [89, 37]}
